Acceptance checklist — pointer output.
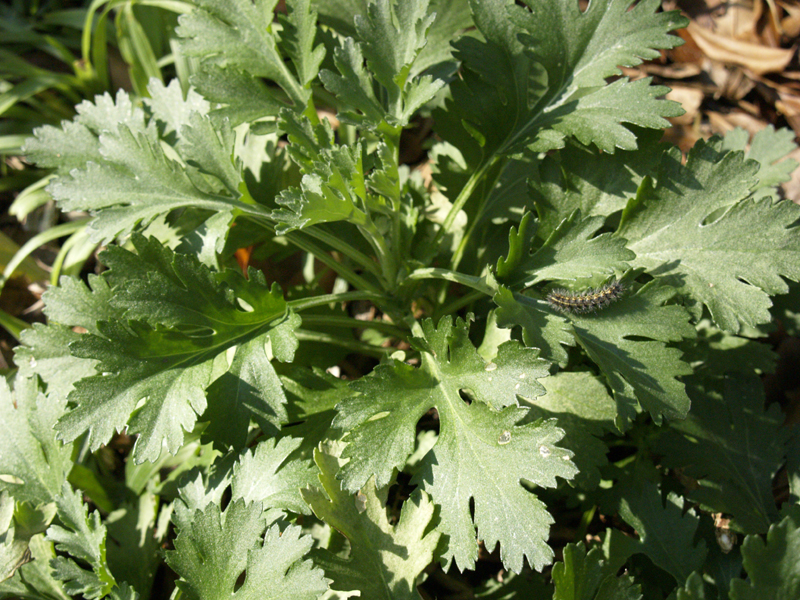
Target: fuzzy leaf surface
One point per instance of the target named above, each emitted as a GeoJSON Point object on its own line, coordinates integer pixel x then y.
{"type": "Point", "coordinates": [734, 447]}
{"type": "Point", "coordinates": [385, 560]}
{"type": "Point", "coordinates": [179, 320]}
{"type": "Point", "coordinates": [772, 567]}
{"type": "Point", "coordinates": [571, 252]}
{"type": "Point", "coordinates": [555, 59]}
{"type": "Point", "coordinates": [481, 453]}
{"type": "Point", "coordinates": [583, 576]}
{"type": "Point", "coordinates": [77, 141]}
{"type": "Point", "coordinates": [238, 49]}
{"type": "Point", "coordinates": [128, 179]}
{"type": "Point", "coordinates": [83, 537]}
{"type": "Point", "coordinates": [666, 534]}
{"type": "Point", "coordinates": [273, 474]}
{"type": "Point", "coordinates": [627, 340]}
{"type": "Point", "coordinates": [770, 149]}
{"type": "Point", "coordinates": [581, 405]}
{"type": "Point", "coordinates": [717, 263]}
{"type": "Point", "coordinates": [594, 182]}
{"type": "Point", "coordinates": [451, 18]}
{"type": "Point", "coordinates": [391, 35]}
{"type": "Point", "coordinates": [29, 450]}
{"type": "Point", "coordinates": [215, 547]}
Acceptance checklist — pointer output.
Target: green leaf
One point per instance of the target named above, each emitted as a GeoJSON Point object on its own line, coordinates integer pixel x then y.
{"type": "Point", "coordinates": [300, 27]}
{"type": "Point", "coordinates": [214, 548]}
{"type": "Point", "coordinates": [13, 549]}
{"type": "Point", "coordinates": [481, 453]}
{"type": "Point", "coordinates": [179, 321]}
{"type": "Point", "coordinates": [77, 142]}
{"type": "Point", "coordinates": [274, 475]}
{"type": "Point", "coordinates": [385, 560]}
{"type": "Point", "coordinates": [584, 410]}
{"type": "Point", "coordinates": [127, 178]}
{"type": "Point", "coordinates": [45, 350]}
{"type": "Point", "coordinates": [34, 579]}
{"type": "Point", "coordinates": [540, 328]}
{"type": "Point", "coordinates": [451, 18]}
{"type": "Point", "coordinates": [334, 191]}
{"type": "Point", "coordinates": [133, 546]}
{"type": "Point", "coordinates": [693, 230]}
{"type": "Point", "coordinates": [596, 183]}
{"type": "Point", "coordinates": [391, 34]}
{"type": "Point", "coordinates": [734, 447]}
{"type": "Point", "coordinates": [666, 533]}
{"type": "Point", "coordinates": [628, 343]}
{"type": "Point", "coordinates": [555, 60]}
{"type": "Point", "coordinates": [716, 353]}
{"type": "Point", "coordinates": [583, 576]}
{"type": "Point", "coordinates": [772, 567]}
{"type": "Point", "coordinates": [770, 149]}
{"type": "Point", "coordinates": [170, 108]}
{"type": "Point", "coordinates": [33, 463]}
{"type": "Point", "coordinates": [238, 49]}
{"type": "Point", "coordinates": [693, 590]}
{"type": "Point", "coordinates": [627, 340]}
{"type": "Point", "coordinates": [83, 537]}
{"type": "Point", "coordinates": [571, 252]}
{"type": "Point", "coordinates": [249, 389]}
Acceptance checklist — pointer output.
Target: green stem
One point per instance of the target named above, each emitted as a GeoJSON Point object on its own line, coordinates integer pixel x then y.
{"type": "Point", "coordinates": [462, 245]}
{"type": "Point", "coordinates": [38, 240]}
{"type": "Point", "coordinates": [345, 272]}
{"type": "Point", "coordinates": [354, 345]}
{"type": "Point", "coordinates": [457, 304]}
{"type": "Point", "coordinates": [345, 248]}
{"type": "Point", "coordinates": [462, 198]}
{"type": "Point", "coordinates": [304, 303]}
{"type": "Point", "coordinates": [340, 321]}
{"type": "Point", "coordinates": [476, 283]}
{"type": "Point", "coordinates": [12, 324]}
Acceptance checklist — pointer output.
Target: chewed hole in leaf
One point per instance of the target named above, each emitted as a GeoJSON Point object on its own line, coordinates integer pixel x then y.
{"type": "Point", "coordinates": [244, 305]}
{"type": "Point", "coordinates": [195, 331]}
{"type": "Point", "coordinates": [239, 581]}
{"type": "Point", "coordinates": [379, 415]}
{"type": "Point", "coordinates": [7, 478]}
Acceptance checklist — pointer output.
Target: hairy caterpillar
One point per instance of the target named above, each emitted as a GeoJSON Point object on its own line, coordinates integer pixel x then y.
{"type": "Point", "coordinates": [587, 301]}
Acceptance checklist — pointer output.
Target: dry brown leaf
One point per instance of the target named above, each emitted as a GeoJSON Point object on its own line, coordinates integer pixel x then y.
{"type": "Point", "coordinates": [731, 82]}
{"type": "Point", "coordinates": [790, 24]}
{"type": "Point", "coordinates": [690, 99]}
{"type": "Point", "coordinates": [723, 123]}
{"type": "Point", "coordinates": [739, 21]}
{"type": "Point", "coordinates": [789, 105]}
{"type": "Point", "coordinates": [792, 187]}
{"type": "Point", "coordinates": [759, 59]}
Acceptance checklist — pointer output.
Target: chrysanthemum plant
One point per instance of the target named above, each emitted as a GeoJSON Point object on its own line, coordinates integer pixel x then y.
{"type": "Point", "coordinates": [438, 366]}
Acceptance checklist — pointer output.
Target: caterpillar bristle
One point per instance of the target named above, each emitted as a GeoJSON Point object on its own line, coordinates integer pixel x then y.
{"type": "Point", "coordinates": [586, 301]}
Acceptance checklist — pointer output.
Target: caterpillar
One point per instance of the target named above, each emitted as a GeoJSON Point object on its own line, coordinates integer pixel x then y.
{"type": "Point", "coordinates": [586, 301]}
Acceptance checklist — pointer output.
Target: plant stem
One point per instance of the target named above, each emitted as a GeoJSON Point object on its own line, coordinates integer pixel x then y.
{"type": "Point", "coordinates": [340, 321]}
{"type": "Point", "coordinates": [462, 198]}
{"type": "Point", "coordinates": [345, 248]}
{"type": "Point", "coordinates": [476, 283]}
{"type": "Point", "coordinates": [345, 272]}
{"type": "Point", "coordinates": [457, 304]}
{"type": "Point", "coordinates": [304, 303]}
{"type": "Point", "coordinates": [463, 244]}
{"type": "Point", "coordinates": [354, 345]}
